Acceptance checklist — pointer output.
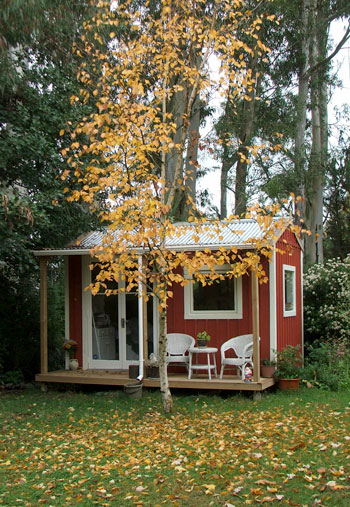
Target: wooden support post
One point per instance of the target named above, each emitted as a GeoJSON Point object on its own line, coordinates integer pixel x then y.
{"type": "Point", "coordinates": [43, 315]}
{"type": "Point", "coordinates": [255, 318]}
{"type": "Point", "coordinates": [257, 396]}
{"type": "Point", "coordinates": [43, 387]}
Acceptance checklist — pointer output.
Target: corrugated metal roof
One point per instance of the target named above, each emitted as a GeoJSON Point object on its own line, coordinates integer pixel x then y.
{"type": "Point", "coordinates": [224, 234]}
{"type": "Point", "coordinates": [186, 236]}
{"type": "Point", "coordinates": [92, 239]}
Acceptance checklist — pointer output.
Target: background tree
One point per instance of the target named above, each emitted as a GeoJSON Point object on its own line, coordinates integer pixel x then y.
{"type": "Point", "coordinates": [37, 77]}
{"type": "Point", "coordinates": [299, 59]}
{"type": "Point", "coordinates": [337, 196]}
{"type": "Point", "coordinates": [310, 153]}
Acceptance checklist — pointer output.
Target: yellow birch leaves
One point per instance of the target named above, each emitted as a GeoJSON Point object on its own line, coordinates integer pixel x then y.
{"type": "Point", "coordinates": [136, 66]}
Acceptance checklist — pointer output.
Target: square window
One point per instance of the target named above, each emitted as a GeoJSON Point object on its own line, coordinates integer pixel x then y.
{"type": "Point", "coordinates": [220, 296]}
{"type": "Point", "coordinates": [221, 299]}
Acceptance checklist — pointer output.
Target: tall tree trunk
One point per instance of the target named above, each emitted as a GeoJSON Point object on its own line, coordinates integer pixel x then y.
{"type": "Point", "coordinates": [225, 168]}
{"type": "Point", "coordinates": [176, 107]}
{"type": "Point", "coordinates": [164, 383]}
{"type": "Point", "coordinates": [245, 137]}
{"type": "Point", "coordinates": [323, 107]}
{"type": "Point", "coordinates": [315, 177]}
{"type": "Point", "coordinates": [303, 90]}
{"type": "Point", "coordinates": [227, 159]}
{"type": "Point", "coordinates": [318, 159]}
{"type": "Point", "coordinates": [191, 160]}
{"type": "Point", "coordinates": [241, 183]}
{"type": "Point", "coordinates": [162, 343]}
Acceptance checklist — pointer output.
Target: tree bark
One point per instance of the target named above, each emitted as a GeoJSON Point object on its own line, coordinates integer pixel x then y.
{"type": "Point", "coordinates": [177, 108]}
{"type": "Point", "coordinates": [184, 102]}
{"type": "Point", "coordinates": [246, 135]}
{"type": "Point", "coordinates": [225, 168]}
{"type": "Point", "coordinates": [192, 160]}
{"type": "Point", "coordinates": [303, 90]}
{"type": "Point", "coordinates": [227, 159]}
{"type": "Point", "coordinates": [319, 149]}
{"type": "Point", "coordinates": [164, 383]}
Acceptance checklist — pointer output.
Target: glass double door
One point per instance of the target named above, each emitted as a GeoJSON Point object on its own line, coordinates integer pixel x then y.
{"type": "Point", "coordinates": [115, 330]}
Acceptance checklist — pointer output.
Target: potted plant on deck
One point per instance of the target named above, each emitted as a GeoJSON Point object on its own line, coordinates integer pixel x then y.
{"type": "Point", "coordinates": [202, 339]}
{"type": "Point", "coordinates": [70, 346]}
{"type": "Point", "coordinates": [152, 367]}
{"type": "Point", "coordinates": [288, 367]}
{"type": "Point", "coordinates": [268, 368]}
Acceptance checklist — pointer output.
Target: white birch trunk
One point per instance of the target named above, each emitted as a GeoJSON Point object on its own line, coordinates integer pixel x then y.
{"type": "Point", "coordinates": [163, 374]}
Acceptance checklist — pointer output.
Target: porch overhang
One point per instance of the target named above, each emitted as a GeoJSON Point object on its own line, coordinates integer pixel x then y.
{"type": "Point", "coordinates": [48, 252]}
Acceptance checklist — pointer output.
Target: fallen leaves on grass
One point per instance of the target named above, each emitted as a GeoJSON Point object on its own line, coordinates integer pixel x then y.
{"type": "Point", "coordinates": [206, 457]}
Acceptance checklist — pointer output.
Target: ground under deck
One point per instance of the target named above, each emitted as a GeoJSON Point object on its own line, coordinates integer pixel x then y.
{"type": "Point", "coordinates": [178, 380]}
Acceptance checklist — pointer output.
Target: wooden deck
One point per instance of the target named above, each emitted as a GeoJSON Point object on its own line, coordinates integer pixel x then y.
{"type": "Point", "coordinates": [180, 381]}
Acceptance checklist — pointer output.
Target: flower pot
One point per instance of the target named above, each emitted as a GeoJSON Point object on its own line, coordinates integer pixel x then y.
{"type": "Point", "coordinates": [133, 370]}
{"type": "Point", "coordinates": [133, 390]}
{"type": "Point", "coordinates": [201, 343]}
{"type": "Point", "coordinates": [267, 371]}
{"type": "Point", "coordinates": [288, 383]}
{"type": "Point", "coordinates": [152, 371]}
{"type": "Point", "coordinates": [73, 364]}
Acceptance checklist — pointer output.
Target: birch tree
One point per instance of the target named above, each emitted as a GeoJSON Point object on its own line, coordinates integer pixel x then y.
{"type": "Point", "coordinates": [128, 156]}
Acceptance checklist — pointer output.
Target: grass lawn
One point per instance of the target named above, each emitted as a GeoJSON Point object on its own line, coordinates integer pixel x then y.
{"type": "Point", "coordinates": [64, 448]}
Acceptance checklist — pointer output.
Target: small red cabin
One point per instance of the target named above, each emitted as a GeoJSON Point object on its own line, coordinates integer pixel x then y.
{"type": "Point", "coordinates": [111, 330]}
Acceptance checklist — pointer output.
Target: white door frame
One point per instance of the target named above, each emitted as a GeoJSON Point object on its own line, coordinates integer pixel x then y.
{"type": "Point", "coordinates": [122, 363]}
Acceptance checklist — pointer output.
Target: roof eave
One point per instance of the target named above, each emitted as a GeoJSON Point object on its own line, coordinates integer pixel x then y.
{"type": "Point", "coordinates": [66, 251]}
{"type": "Point", "coordinates": [178, 248]}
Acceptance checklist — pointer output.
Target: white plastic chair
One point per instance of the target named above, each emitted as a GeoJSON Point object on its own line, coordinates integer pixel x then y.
{"type": "Point", "coordinates": [177, 346]}
{"type": "Point", "coordinates": [243, 348]}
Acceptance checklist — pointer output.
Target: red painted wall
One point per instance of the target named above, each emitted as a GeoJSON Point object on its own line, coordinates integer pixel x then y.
{"type": "Point", "coordinates": [289, 329]}
{"type": "Point", "coordinates": [75, 304]}
{"type": "Point", "coordinates": [221, 330]}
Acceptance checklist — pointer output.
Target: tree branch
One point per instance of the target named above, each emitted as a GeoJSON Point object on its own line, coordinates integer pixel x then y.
{"type": "Point", "coordinates": [340, 44]}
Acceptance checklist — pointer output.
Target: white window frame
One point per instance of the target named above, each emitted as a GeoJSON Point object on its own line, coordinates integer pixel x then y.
{"type": "Point", "coordinates": [191, 313]}
{"type": "Point", "coordinates": [293, 312]}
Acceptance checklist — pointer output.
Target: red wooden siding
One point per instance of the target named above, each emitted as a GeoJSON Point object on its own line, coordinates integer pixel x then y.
{"type": "Point", "coordinates": [221, 330]}
{"type": "Point", "coordinates": [289, 329]}
{"type": "Point", "coordinates": [75, 303]}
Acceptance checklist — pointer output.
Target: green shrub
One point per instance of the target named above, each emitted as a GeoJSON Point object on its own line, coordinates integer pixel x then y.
{"type": "Point", "coordinates": [327, 365]}
{"type": "Point", "coordinates": [289, 362]}
{"type": "Point", "coordinates": [327, 301]}
{"type": "Point", "coordinates": [13, 377]}
{"type": "Point", "coordinates": [20, 323]}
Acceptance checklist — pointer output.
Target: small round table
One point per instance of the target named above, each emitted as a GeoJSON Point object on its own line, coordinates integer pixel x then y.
{"type": "Point", "coordinates": [210, 351]}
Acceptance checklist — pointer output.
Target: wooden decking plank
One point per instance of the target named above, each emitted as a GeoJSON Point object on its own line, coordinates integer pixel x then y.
{"type": "Point", "coordinates": [120, 378]}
